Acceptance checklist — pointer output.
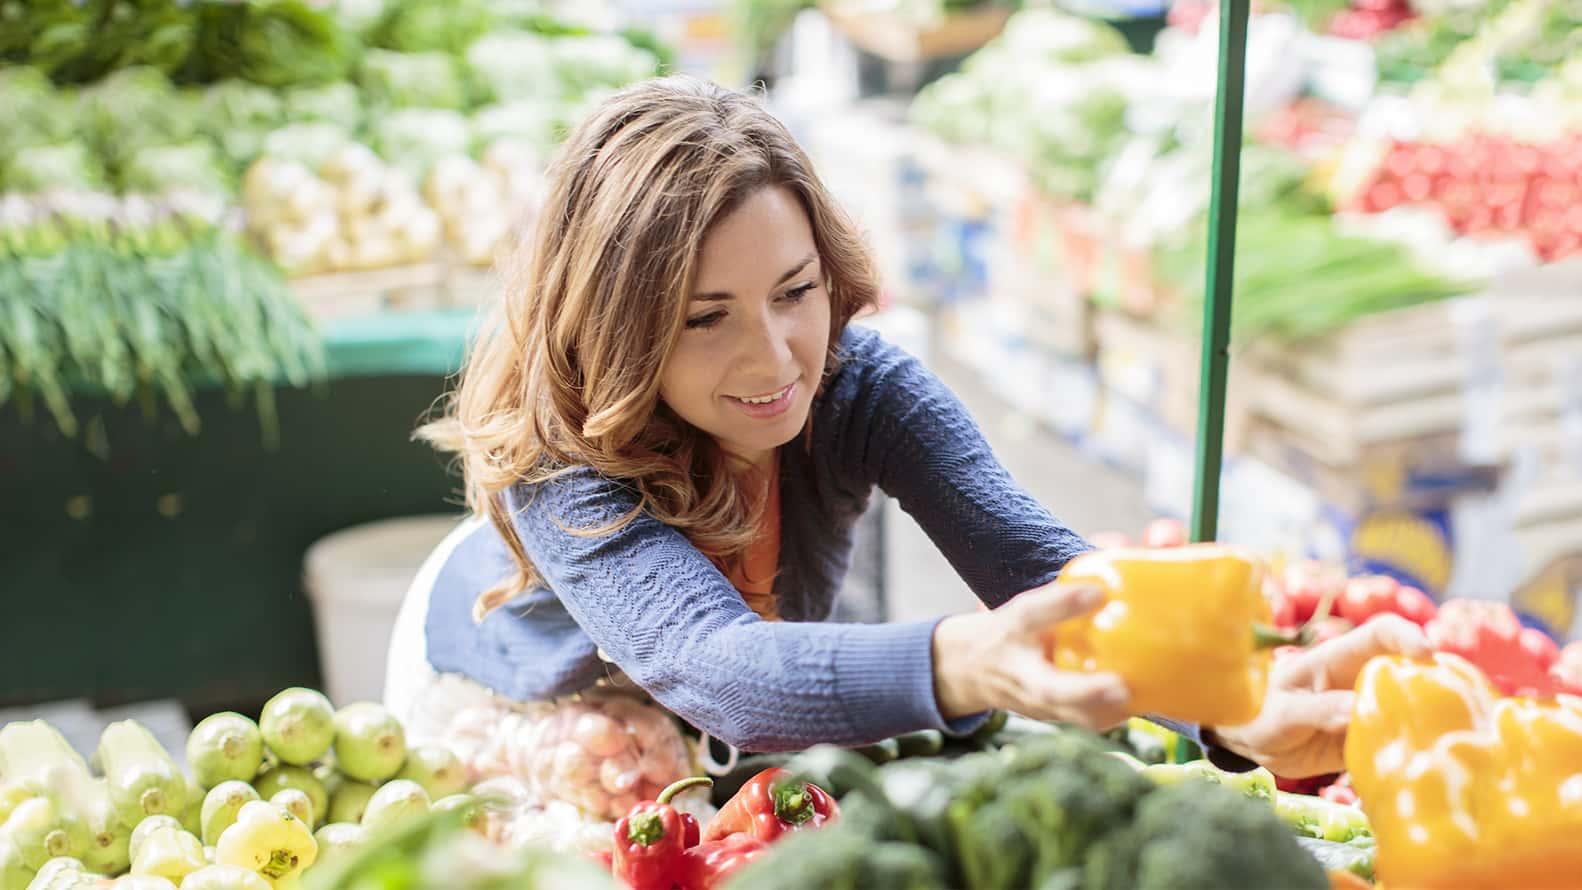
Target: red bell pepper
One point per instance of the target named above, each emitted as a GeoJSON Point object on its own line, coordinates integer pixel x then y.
{"type": "Point", "coordinates": [771, 804]}
{"type": "Point", "coordinates": [1540, 646]}
{"type": "Point", "coordinates": [1489, 635]}
{"type": "Point", "coordinates": [1340, 794]}
{"type": "Point", "coordinates": [1306, 584]}
{"type": "Point", "coordinates": [710, 864]}
{"type": "Point", "coordinates": [1165, 532]}
{"type": "Point", "coordinates": [650, 841]}
{"type": "Point", "coordinates": [1309, 785]}
{"type": "Point", "coordinates": [1415, 606]}
{"type": "Point", "coordinates": [1567, 669]}
{"type": "Point", "coordinates": [1366, 597]}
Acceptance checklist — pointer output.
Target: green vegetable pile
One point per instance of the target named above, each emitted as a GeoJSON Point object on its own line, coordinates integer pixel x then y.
{"type": "Point", "coordinates": [1055, 810]}
{"type": "Point", "coordinates": [440, 853]}
{"type": "Point", "coordinates": [270, 42]}
{"type": "Point", "coordinates": [1299, 276]}
{"type": "Point", "coordinates": [357, 795]}
{"type": "Point", "coordinates": [1044, 92]}
{"type": "Point", "coordinates": [118, 104]}
{"type": "Point", "coordinates": [138, 300]}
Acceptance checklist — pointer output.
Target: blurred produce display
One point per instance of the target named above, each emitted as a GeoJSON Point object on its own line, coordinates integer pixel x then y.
{"type": "Point", "coordinates": [145, 138]}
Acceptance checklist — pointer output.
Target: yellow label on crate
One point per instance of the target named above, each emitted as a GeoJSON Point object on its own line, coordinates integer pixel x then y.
{"type": "Point", "coordinates": [1551, 597]}
{"type": "Point", "coordinates": [1414, 544]}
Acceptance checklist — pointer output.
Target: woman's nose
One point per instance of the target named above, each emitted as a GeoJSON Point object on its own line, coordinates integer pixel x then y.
{"type": "Point", "coordinates": [768, 346]}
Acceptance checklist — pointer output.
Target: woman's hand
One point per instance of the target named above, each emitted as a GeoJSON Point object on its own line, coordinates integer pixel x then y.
{"type": "Point", "coordinates": [1302, 729]}
{"type": "Point", "coordinates": [996, 660]}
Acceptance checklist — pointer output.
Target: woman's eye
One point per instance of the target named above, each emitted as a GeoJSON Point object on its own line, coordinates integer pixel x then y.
{"type": "Point", "coordinates": [707, 320]}
{"type": "Point", "coordinates": [796, 294]}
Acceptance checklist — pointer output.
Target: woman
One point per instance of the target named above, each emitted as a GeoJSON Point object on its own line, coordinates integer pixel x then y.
{"type": "Point", "coordinates": [672, 430]}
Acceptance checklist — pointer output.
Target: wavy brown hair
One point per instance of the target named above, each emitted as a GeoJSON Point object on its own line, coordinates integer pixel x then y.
{"type": "Point", "coordinates": [566, 372]}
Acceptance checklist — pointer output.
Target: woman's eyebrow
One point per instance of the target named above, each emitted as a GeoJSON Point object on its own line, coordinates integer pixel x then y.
{"type": "Point", "coordinates": [717, 296]}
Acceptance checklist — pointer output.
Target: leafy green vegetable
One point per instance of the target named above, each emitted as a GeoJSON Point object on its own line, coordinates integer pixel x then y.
{"type": "Point", "coordinates": [337, 103]}
{"type": "Point", "coordinates": [507, 66]}
{"type": "Point", "coordinates": [307, 144]}
{"type": "Point", "coordinates": [1335, 856]}
{"type": "Point", "coordinates": [192, 165]}
{"type": "Point", "coordinates": [276, 43]}
{"type": "Point", "coordinates": [238, 116]}
{"type": "Point", "coordinates": [415, 26]}
{"type": "Point", "coordinates": [137, 302]}
{"type": "Point", "coordinates": [135, 108]}
{"type": "Point", "coordinates": [438, 853]}
{"type": "Point", "coordinates": [413, 139]}
{"type": "Point", "coordinates": [70, 165]}
{"type": "Point", "coordinates": [36, 113]}
{"type": "Point", "coordinates": [1045, 92]}
{"type": "Point", "coordinates": [1297, 276]}
{"type": "Point", "coordinates": [411, 80]}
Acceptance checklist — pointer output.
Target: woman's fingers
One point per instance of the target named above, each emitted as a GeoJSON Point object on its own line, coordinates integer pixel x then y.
{"type": "Point", "coordinates": [1336, 663]}
{"type": "Point", "coordinates": [1091, 700]}
{"type": "Point", "coordinates": [1043, 607]}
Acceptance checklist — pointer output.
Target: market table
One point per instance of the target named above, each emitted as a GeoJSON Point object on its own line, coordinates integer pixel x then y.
{"type": "Point", "coordinates": [145, 563]}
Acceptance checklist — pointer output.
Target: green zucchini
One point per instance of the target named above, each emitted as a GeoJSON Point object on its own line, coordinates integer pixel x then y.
{"type": "Point", "coordinates": [880, 752]}
{"type": "Point", "coordinates": [923, 743]}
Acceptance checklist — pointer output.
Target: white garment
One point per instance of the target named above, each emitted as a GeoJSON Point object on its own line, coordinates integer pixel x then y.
{"type": "Point", "coordinates": [427, 701]}
{"type": "Point", "coordinates": [410, 681]}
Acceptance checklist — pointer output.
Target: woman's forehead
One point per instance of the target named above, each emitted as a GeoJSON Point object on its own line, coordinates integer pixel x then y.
{"type": "Point", "coordinates": [756, 243]}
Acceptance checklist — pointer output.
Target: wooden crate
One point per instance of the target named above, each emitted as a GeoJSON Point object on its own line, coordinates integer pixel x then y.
{"type": "Point", "coordinates": [343, 294]}
{"type": "Point", "coordinates": [1157, 368]}
{"type": "Point", "coordinates": [898, 38]}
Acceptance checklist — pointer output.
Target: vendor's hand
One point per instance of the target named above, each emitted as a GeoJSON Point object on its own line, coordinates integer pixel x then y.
{"type": "Point", "coordinates": [995, 660]}
{"type": "Point", "coordinates": [1302, 729]}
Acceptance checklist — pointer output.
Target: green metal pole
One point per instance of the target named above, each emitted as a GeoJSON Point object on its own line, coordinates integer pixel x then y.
{"type": "Point", "coordinates": [1221, 266]}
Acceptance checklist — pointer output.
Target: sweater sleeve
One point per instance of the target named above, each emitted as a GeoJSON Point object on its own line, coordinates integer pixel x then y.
{"type": "Point", "coordinates": [661, 611]}
{"type": "Point", "coordinates": [903, 430]}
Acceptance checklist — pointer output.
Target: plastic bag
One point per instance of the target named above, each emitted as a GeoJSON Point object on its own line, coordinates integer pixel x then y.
{"type": "Point", "coordinates": [601, 751]}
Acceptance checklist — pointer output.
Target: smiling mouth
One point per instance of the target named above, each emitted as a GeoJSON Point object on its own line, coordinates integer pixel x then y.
{"type": "Point", "coordinates": [768, 399]}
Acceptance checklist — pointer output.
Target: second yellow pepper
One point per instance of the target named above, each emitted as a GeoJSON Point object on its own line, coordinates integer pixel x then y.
{"type": "Point", "coordinates": [1187, 628]}
{"type": "Point", "coordinates": [1466, 789]}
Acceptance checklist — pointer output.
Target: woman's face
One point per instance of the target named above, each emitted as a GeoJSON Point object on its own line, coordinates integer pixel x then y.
{"type": "Point", "coordinates": [757, 330]}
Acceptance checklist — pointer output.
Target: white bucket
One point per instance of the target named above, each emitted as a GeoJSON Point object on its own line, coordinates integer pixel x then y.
{"type": "Point", "coordinates": [356, 579]}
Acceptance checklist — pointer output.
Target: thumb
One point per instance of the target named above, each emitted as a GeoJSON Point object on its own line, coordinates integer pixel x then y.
{"type": "Point", "coordinates": [1043, 607]}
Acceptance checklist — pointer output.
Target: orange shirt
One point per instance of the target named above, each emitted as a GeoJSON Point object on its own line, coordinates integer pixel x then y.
{"type": "Point", "coordinates": [753, 575]}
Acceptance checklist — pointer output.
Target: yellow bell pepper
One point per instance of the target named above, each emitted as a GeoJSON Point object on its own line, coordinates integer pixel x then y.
{"type": "Point", "coordinates": [269, 840]}
{"type": "Point", "coordinates": [1187, 628]}
{"type": "Point", "coordinates": [1466, 789]}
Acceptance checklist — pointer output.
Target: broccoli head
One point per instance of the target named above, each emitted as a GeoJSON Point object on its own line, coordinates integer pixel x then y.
{"type": "Point", "coordinates": [1197, 836]}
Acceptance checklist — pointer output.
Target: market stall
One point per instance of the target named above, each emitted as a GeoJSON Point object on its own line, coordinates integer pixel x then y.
{"type": "Point", "coordinates": [1379, 326]}
{"type": "Point", "coordinates": [1460, 766]}
{"type": "Point", "coordinates": [243, 245]}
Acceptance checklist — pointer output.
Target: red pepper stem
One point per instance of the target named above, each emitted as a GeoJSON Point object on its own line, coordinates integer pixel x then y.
{"type": "Point", "coordinates": [793, 803]}
{"type": "Point", "coordinates": [645, 829]}
{"type": "Point", "coordinates": [677, 787]}
{"type": "Point", "coordinates": [1266, 637]}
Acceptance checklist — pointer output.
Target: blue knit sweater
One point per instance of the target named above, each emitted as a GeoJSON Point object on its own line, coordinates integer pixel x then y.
{"type": "Point", "coordinates": [671, 621]}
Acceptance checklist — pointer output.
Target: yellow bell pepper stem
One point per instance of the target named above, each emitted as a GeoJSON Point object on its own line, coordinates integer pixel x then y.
{"type": "Point", "coordinates": [1187, 629]}
{"type": "Point", "coordinates": [1466, 789]}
